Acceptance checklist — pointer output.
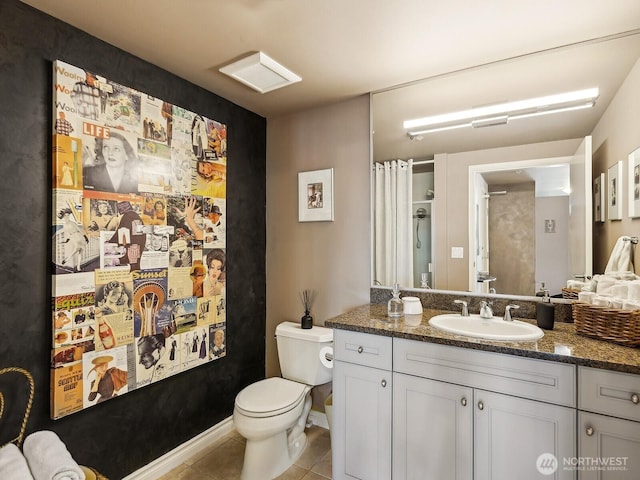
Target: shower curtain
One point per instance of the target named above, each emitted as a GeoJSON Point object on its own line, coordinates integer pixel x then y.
{"type": "Point", "coordinates": [393, 232]}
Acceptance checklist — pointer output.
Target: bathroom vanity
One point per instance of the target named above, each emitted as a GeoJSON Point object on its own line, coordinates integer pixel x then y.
{"type": "Point", "coordinates": [419, 403]}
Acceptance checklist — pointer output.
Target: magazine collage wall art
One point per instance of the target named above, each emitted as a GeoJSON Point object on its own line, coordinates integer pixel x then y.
{"type": "Point", "coordinates": [138, 240]}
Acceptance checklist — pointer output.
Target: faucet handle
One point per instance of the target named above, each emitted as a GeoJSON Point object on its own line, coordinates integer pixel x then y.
{"type": "Point", "coordinates": [465, 310]}
{"type": "Point", "coordinates": [507, 312]}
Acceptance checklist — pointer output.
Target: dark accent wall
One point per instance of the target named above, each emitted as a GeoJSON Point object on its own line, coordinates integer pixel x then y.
{"type": "Point", "coordinates": [121, 435]}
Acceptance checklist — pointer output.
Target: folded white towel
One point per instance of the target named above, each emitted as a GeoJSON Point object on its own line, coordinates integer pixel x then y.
{"type": "Point", "coordinates": [13, 465]}
{"type": "Point", "coordinates": [620, 290]}
{"type": "Point", "coordinates": [605, 286]}
{"type": "Point", "coordinates": [49, 459]}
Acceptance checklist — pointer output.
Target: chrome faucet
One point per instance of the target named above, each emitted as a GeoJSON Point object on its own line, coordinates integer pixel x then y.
{"type": "Point", "coordinates": [485, 310]}
{"type": "Point", "coordinates": [507, 312]}
{"type": "Point", "coordinates": [465, 310]}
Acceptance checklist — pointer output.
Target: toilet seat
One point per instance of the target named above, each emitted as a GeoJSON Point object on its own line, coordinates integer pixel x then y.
{"type": "Point", "coordinates": [270, 397]}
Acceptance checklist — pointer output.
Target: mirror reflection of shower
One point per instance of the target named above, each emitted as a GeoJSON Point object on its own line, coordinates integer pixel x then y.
{"type": "Point", "coordinates": [423, 198]}
{"type": "Point", "coordinates": [421, 213]}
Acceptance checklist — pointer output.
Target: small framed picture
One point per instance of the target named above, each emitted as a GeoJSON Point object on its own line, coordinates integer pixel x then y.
{"type": "Point", "coordinates": [598, 199]}
{"type": "Point", "coordinates": [614, 192]}
{"type": "Point", "coordinates": [634, 183]}
{"type": "Point", "coordinates": [315, 196]}
{"type": "Point", "coordinates": [549, 226]}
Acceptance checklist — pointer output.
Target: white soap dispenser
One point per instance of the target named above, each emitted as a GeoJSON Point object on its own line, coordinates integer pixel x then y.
{"type": "Point", "coordinates": [395, 306]}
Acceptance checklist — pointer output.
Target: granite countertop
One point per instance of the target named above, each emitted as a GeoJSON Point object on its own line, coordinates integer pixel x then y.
{"type": "Point", "coordinates": [562, 344]}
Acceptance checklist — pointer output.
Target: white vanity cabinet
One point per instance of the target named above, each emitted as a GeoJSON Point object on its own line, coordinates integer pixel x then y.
{"type": "Point", "coordinates": [432, 429]}
{"type": "Point", "coordinates": [608, 447]}
{"type": "Point", "coordinates": [362, 399]}
{"type": "Point", "coordinates": [468, 414]}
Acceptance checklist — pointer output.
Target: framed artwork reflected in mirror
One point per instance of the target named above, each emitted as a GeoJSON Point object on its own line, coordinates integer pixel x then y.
{"type": "Point", "coordinates": [634, 183]}
{"type": "Point", "coordinates": [614, 192]}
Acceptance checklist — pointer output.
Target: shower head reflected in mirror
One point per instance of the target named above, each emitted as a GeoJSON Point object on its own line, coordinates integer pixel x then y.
{"type": "Point", "coordinates": [420, 214]}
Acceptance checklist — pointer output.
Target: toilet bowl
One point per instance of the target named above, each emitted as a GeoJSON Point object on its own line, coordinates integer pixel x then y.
{"type": "Point", "coordinates": [271, 414]}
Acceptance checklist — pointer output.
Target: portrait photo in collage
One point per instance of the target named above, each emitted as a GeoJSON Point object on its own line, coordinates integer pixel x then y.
{"type": "Point", "coordinates": [138, 239]}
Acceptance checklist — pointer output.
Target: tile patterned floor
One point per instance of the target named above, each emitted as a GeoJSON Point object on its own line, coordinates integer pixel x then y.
{"type": "Point", "coordinates": [223, 461]}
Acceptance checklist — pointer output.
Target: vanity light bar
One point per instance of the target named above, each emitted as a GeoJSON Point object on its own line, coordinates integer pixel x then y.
{"type": "Point", "coordinates": [490, 114]}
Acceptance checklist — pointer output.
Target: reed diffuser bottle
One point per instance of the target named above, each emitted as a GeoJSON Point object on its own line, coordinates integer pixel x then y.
{"type": "Point", "coordinates": [307, 297]}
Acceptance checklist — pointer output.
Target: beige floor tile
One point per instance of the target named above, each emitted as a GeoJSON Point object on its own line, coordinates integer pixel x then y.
{"type": "Point", "coordinates": [319, 444]}
{"type": "Point", "coordinates": [313, 476]}
{"type": "Point", "coordinates": [293, 473]}
{"type": "Point", "coordinates": [323, 467]}
{"type": "Point", "coordinates": [216, 444]}
{"type": "Point", "coordinates": [185, 472]}
{"type": "Point", "coordinates": [224, 462]}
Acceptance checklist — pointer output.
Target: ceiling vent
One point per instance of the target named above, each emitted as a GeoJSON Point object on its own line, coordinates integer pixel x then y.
{"type": "Point", "coordinates": [260, 72]}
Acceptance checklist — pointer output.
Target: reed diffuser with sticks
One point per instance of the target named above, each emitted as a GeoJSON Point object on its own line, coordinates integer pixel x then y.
{"type": "Point", "coordinates": [307, 297]}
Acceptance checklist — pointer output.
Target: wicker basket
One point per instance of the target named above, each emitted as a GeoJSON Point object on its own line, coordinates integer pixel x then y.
{"type": "Point", "coordinates": [609, 324]}
{"type": "Point", "coordinates": [570, 294]}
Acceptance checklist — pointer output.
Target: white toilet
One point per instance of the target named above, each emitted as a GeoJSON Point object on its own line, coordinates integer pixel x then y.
{"type": "Point", "coordinates": [272, 414]}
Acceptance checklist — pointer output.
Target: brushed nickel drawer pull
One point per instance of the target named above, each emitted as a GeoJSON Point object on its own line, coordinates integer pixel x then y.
{"type": "Point", "coordinates": [383, 383]}
{"type": "Point", "coordinates": [481, 405]}
{"type": "Point", "coordinates": [463, 401]}
{"type": "Point", "coordinates": [589, 430]}
{"type": "Point", "coordinates": [635, 399]}
{"type": "Point", "coordinates": [360, 349]}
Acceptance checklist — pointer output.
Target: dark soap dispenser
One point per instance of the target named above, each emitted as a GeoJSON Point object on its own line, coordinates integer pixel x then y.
{"type": "Point", "coordinates": [545, 311]}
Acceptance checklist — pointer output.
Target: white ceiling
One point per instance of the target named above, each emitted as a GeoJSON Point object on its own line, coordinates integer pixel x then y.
{"type": "Point", "coordinates": [340, 48]}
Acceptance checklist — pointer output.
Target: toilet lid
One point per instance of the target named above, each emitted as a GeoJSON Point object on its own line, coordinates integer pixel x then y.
{"type": "Point", "coordinates": [270, 397]}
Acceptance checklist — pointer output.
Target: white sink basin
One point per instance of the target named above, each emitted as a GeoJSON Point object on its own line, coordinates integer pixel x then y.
{"type": "Point", "coordinates": [489, 328]}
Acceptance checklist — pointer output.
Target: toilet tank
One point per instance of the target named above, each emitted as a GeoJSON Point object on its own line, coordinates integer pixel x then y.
{"type": "Point", "coordinates": [299, 351]}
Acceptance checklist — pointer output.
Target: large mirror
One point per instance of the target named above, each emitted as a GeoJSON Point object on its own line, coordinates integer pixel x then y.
{"type": "Point", "coordinates": [505, 204]}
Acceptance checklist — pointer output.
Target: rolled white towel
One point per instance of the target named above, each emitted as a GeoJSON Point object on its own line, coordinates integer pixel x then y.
{"type": "Point", "coordinates": [13, 465]}
{"type": "Point", "coordinates": [575, 284]}
{"type": "Point", "coordinates": [617, 302]}
{"type": "Point", "coordinates": [49, 459]}
{"type": "Point", "coordinates": [630, 305]}
{"type": "Point", "coordinates": [586, 297]}
{"type": "Point", "coordinates": [601, 301]}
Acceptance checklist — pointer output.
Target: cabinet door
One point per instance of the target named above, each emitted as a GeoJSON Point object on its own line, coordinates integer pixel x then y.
{"type": "Point", "coordinates": [511, 433]}
{"type": "Point", "coordinates": [432, 429]}
{"type": "Point", "coordinates": [361, 439]}
{"type": "Point", "coordinates": [609, 448]}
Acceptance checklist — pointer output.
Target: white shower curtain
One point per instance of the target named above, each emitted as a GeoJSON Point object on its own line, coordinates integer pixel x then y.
{"type": "Point", "coordinates": [393, 227]}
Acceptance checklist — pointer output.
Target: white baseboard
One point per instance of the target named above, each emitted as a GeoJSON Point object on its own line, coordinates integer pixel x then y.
{"type": "Point", "coordinates": [175, 457]}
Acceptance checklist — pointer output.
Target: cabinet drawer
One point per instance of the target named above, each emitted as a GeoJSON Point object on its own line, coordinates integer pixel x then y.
{"type": "Point", "coordinates": [362, 348]}
{"type": "Point", "coordinates": [523, 377]}
{"type": "Point", "coordinates": [611, 393]}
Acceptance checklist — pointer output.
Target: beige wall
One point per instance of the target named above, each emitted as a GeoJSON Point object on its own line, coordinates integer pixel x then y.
{"type": "Point", "coordinates": [616, 135]}
{"type": "Point", "coordinates": [332, 258]}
